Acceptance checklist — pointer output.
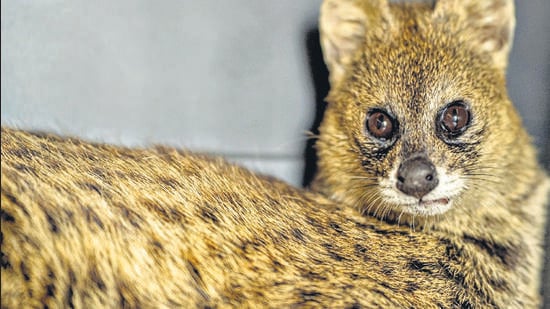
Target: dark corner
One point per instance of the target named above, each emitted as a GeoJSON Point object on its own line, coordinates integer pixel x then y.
{"type": "Point", "coordinates": [319, 78]}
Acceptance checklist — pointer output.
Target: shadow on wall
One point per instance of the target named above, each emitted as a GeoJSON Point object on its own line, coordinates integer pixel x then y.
{"type": "Point", "coordinates": [319, 78]}
{"type": "Point", "coordinates": [545, 158]}
{"type": "Point", "coordinates": [545, 154]}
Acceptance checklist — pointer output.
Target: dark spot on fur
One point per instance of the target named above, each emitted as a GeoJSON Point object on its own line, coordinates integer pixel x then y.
{"type": "Point", "coordinates": [69, 296]}
{"type": "Point", "coordinates": [336, 227]}
{"type": "Point", "coordinates": [24, 271]}
{"type": "Point", "coordinates": [162, 212]}
{"type": "Point", "coordinates": [380, 231]}
{"type": "Point", "coordinates": [156, 249]}
{"type": "Point", "coordinates": [298, 234]}
{"type": "Point", "coordinates": [390, 232]}
{"type": "Point", "coordinates": [24, 153]}
{"type": "Point", "coordinates": [90, 156]}
{"type": "Point", "coordinates": [386, 270]}
{"type": "Point", "coordinates": [51, 222]}
{"type": "Point", "coordinates": [208, 214]}
{"type": "Point", "coordinates": [379, 292]}
{"type": "Point", "coordinates": [50, 290]}
{"type": "Point", "coordinates": [417, 265]}
{"type": "Point", "coordinates": [360, 251]}
{"type": "Point", "coordinates": [411, 286]}
{"type": "Point", "coordinates": [309, 295]}
{"type": "Point", "coordinates": [281, 237]}
{"type": "Point", "coordinates": [54, 165]}
{"type": "Point", "coordinates": [413, 28]}
{"type": "Point", "coordinates": [316, 224]}
{"type": "Point", "coordinates": [24, 168]}
{"type": "Point", "coordinates": [466, 305]}
{"type": "Point", "coordinates": [4, 261]}
{"type": "Point", "coordinates": [362, 225]}
{"type": "Point", "coordinates": [170, 183]}
{"type": "Point", "coordinates": [195, 271]}
{"type": "Point", "coordinates": [330, 251]}
{"type": "Point", "coordinates": [122, 299]}
{"type": "Point", "coordinates": [6, 217]}
{"type": "Point", "coordinates": [354, 276]}
{"type": "Point", "coordinates": [157, 244]}
{"type": "Point", "coordinates": [167, 213]}
{"type": "Point", "coordinates": [177, 214]}
{"type": "Point", "coordinates": [277, 265]}
{"type": "Point", "coordinates": [317, 261]}
{"type": "Point", "coordinates": [92, 217]}
{"type": "Point", "coordinates": [355, 306]}
{"type": "Point", "coordinates": [16, 202]}
{"type": "Point", "coordinates": [244, 245]}
{"type": "Point", "coordinates": [314, 276]}
{"type": "Point", "coordinates": [132, 216]}
{"type": "Point", "coordinates": [100, 173]}
{"type": "Point", "coordinates": [69, 214]}
{"type": "Point", "coordinates": [199, 287]}
{"type": "Point", "coordinates": [91, 187]}
{"type": "Point", "coordinates": [126, 297]}
{"type": "Point", "coordinates": [451, 250]}
{"type": "Point", "coordinates": [70, 292]}
{"type": "Point", "coordinates": [455, 275]}
{"type": "Point", "coordinates": [95, 276]}
{"type": "Point", "coordinates": [387, 285]}
{"type": "Point", "coordinates": [508, 255]}
{"type": "Point", "coordinates": [259, 242]}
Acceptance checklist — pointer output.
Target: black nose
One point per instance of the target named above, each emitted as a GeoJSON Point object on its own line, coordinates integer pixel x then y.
{"type": "Point", "coordinates": [417, 176]}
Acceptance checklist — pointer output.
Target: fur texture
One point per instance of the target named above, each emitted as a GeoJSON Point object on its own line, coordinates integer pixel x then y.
{"type": "Point", "coordinates": [410, 62]}
{"type": "Point", "coordinates": [87, 225]}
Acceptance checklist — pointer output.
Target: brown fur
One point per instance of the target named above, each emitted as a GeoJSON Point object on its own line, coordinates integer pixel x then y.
{"type": "Point", "coordinates": [88, 225]}
{"type": "Point", "coordinates": [413, 59]}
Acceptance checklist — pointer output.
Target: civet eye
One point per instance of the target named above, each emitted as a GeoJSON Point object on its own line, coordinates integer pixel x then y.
{"type": "Point", "coordinates": [380, 125]}
{"type": "Point", "coordinates": [454, 119]}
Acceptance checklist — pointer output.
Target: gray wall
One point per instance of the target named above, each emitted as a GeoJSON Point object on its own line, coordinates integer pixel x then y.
{"type": "Point", "coordinates": [239, 78]}
{"type": "Point", "coordinates": [229, 77]}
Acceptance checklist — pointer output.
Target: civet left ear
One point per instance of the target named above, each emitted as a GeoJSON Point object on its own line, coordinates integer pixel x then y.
{"type": "Point", "coordinates": [488, 25]}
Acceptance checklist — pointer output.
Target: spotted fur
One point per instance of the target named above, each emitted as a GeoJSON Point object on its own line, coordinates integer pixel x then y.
{"type": "Point", "coordinates": [412, 60]}
{"type": "Point", "coordinates": [86, 225]}
{"type": "Point", "coordinates": [89, 225]}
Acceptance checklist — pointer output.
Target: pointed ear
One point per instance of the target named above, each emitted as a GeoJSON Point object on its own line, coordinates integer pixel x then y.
{"type": "Point", "coordinates": [487, 24]}
{"type": "Point", "coordinates": [344, 25]}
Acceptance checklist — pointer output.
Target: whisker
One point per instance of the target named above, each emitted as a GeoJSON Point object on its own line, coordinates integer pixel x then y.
{"type": "Point", "coordinates": [362, 178]}
{"type": "Point", "coordinates": [399, 218]}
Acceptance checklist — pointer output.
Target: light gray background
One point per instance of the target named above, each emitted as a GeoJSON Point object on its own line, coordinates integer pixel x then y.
{"type": "Point", "coordinates": [227, 77]}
